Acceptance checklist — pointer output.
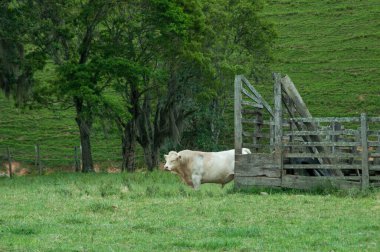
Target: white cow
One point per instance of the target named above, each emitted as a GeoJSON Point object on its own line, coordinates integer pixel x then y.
{"type": "Point", "coordinates": [196, 167]}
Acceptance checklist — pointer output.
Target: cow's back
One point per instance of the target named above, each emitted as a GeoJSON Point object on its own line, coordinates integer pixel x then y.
{"type": "Point", "coordinates": [217, 166]}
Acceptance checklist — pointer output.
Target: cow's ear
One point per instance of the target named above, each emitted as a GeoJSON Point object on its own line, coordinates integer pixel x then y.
{"type": "Point", "coordinates": [165, 156]}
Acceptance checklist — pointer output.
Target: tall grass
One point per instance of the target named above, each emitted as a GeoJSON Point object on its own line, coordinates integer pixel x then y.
{"type": "Point", "coordinates": [156, 212]}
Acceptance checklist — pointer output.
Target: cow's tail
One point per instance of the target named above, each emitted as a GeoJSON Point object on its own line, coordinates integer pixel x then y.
{"type": "Point", "coordinates": [246, 151]}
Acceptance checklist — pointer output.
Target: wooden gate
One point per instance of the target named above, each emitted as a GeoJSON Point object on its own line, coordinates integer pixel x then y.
{"type": "Point", "coordinates": [292, 149]}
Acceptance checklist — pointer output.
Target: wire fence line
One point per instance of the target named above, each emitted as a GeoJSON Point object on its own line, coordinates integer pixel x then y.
{"type": "Point", "coordinates": [57, 141]}
{"type": "Point", "coordinates": [39, 159]}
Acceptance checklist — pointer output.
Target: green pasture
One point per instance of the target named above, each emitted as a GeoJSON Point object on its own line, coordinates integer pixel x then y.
{"type": "Point", "coordinates": [156, 212]}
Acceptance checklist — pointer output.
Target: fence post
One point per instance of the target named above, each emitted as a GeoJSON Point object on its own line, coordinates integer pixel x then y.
{"type": "Point", "coordinates": [292, 125]}
{"type": "Point", "coordinates": [377, 160]}
{"type": "Point", "coordinates": [333, 137]}
{"type": "Point", "coordinates": [364, 140]}
{"type": "Point", "coordinates": [9, 163]}
{"type": "Point", "coordinates": [38, 159]}
{"type": "Point", "coordinates": [335, 126]}
{"type": "Point", "coordinates": [271, 133]}
{"type": "Point", "coordinates": [76, 159]}
{"type": "Point", "coordinates": [278, 122]}
{"type": "Point", "coordinates": [257, 130]}
{"type": "Point", "coordinates": [237, 116]}
{"type": "Point", "coordinates": [80, 159]}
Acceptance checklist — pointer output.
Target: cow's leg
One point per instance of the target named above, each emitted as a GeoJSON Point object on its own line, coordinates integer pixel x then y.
{"type": "Point", "coordinates": [188, 182]}
{"type": "Point", "coordinates": [196, 179]}
{"type": "Point", "coordinates": [228, 179]}
{"type": "Point", "coordinates": [196, 174]}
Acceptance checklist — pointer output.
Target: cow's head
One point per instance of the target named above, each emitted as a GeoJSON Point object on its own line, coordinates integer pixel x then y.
{"type": "Point", "coordinates": [172, 161]}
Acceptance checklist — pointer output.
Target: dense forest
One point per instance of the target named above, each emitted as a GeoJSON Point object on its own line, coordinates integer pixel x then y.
{"type": "Point", "coordinates": [158, 72]}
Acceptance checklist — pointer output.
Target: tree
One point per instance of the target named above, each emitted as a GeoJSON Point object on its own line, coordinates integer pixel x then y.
{"type": "Point", "coordinates": [67, 32]}
{"type": "Point", "coordinates": [141, 32]}
{"type": "Point", "coordinates": [165, 110]}
{"type": "Point", "coordinates": [170, 83]}
{"type": "Point", "coordinates": [171, 63]}
{"type": "Point", "coordinates": [238, 42]}
{"type": "Point", "coordinates": [17, 65]}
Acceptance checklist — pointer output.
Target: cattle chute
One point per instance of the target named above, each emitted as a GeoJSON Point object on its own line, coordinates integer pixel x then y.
{"type": "Point", "coordinates": [292, 149]}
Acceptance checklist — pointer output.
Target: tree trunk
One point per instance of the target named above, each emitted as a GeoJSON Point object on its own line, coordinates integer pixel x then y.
{"type": "Point", "coordinates": [151, 156]}
{"type": "Point", "coordinates": [84, 125]}
{"type": "Point", "coordinates": [129, 147]}
{"type": "Point", "coordinates": [84, 131]}
{"type": "Point", "coordinates": [129, 138]}
{"type": "Point", "coordinates": [155, 157]}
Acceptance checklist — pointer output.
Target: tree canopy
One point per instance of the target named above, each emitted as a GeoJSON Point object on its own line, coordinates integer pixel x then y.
{"type": "Point", "coordinates": [154, 68]}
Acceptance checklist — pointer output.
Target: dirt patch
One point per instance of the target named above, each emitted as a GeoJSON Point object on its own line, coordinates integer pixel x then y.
{"type": "Point", "coordinates": [361, 97]}
{"type": "Point", "coordinates": [17, 169]}
{"type": "Point", "coordinates": [113, 170]}
{"type": "Point", "coordinates": [23, 172]}
{"type": "Point", "coordinates": [96, 168]}
{"type": "Point", "coordinates": [14, 165]}
{"type": "Point", "coordinates": [20, 169]}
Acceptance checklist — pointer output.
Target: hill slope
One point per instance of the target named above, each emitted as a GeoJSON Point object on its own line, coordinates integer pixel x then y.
{"type": "Point", "coordinates": [56, 133]}
{"type": "Point", "coordinates": [331, 50]}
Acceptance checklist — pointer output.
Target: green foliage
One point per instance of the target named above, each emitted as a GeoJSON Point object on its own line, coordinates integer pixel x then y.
{"type": "Point", "coordinates": [17, 60]}
{"type": "Point", "coordinates": [112, 61]}
{"type": "Point", "coordinates": [170, 17]}
{"type": "Point", "coordinates": [238, 41]}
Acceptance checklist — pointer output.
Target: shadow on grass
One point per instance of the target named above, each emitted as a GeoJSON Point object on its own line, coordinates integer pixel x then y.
{"type": "Point", "coordinates": [210, 243]}
{"type": "Point", "coordinates": [23, 229]}
{"type": "Point", "coordinates": [326, 190]}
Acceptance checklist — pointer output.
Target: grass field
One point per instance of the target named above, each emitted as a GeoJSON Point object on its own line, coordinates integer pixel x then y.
{"type": "Point", "coordinates": [156, 212]}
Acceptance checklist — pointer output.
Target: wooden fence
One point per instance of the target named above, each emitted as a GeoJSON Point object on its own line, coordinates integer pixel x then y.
{"type": "Point", "coordinates": [292, 149]}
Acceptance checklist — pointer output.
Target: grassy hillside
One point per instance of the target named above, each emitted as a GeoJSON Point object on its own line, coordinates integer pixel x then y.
{"type": "Point", "coordinates": [331, 51]}
{"type": "Point", "coordinates": [156, 212]}
{"type": "Point", "coordinates": [329, 48]}
{"type": "Point", "coordinates": [56, 133]}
